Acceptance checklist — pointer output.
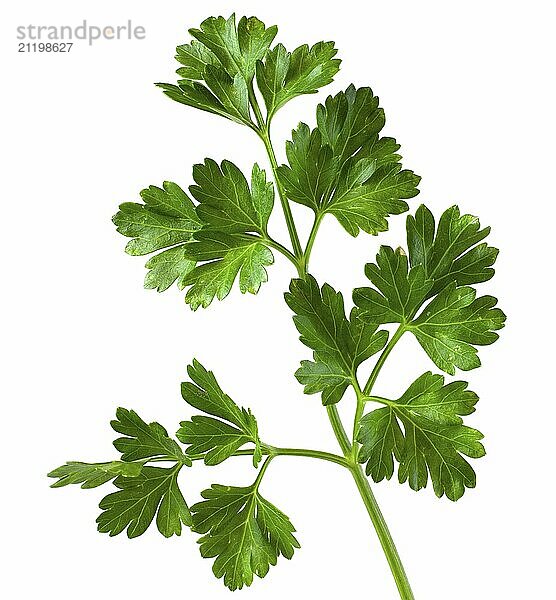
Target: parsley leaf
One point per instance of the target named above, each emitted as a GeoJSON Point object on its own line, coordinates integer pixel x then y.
{"type": "Point", "coordinates": [284, 75]}
{"type": "Point", "coordinates": [91, 475]}
{"type": "Point", "coordinates": [400, 292]}
{"type": "Point", "coordinates": [165, 268]}
{"type": "Point", "coordinates": [381, 440]}
{"type": "Point", "coordinates": [166, 219]}
{"type": "Point", "coordinates": [218, 438]}
{"type": "Point", "coordinates": [368, 341]}
{"type": "Point", "coordinates": [154, 492]}
{"type": "Point", "coordinates": [312, 170]}
{"type": "Point", "coordinates": [144, 491]}
{"type": "Point", "coordinates": [144, 440]}
{"type": "Point", "coordinates": [232, 93]}
{"type": "Point", "coordinates": [326, 377]}
{"type": "Point", "coordinates": [453, 323]}
{"type": "Point", "coordinates": [339, 345]}
{"type": "Point", "coordinates": [345, 168]}
{"type": "Point", "coordinates": [320, 318]}
{"type": "Point", "coordinates": [195, 94]}
{"type": "Point", "coordinates": [226, 203]}
{"type": "Point", "coordinates": [228, 256]}
{"type": "Point", "coordinates": [194, 57]}
{"type": "Point", "coordinates": [218, 67]}
{"type": "Point", "coordinates": [451, 253]}
{"type": "Point", "coordinates": [238, 48]}
{"type": "Point", "coordinates": [228, 210]}
{"type": "Point", "coordinates": [244, 532]}
{"type": "Point", "coordinates": [433, 441]}
{"type": "Point", "coordinates": [226, 233]}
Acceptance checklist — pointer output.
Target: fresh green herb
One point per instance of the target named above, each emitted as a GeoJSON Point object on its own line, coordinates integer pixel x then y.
{"type": "Point", "coordinates": [219, 233]}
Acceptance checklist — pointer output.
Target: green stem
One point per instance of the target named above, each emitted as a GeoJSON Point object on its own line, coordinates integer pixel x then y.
{"type": "Point", "coordinates": [311, 240]}
{"type": "Point", "coordinates": [268, 451]}
{"type": "Point", "coordinates": [360, 397]}
{"type": "Point", "coordinates": [283, 250]}
{"type": "Point", "coordinates": [255, 105]}
{"type": "Point", "coordinates": [264, 237]}
{"type": "Point", "coordinates": [265, 137]}
{"type": "Point", "coordinates": [383, 533]}
{"type": "Point", "coordinates": [339, 430]}
{"type": "Point", "coordinates": [380, 400]}
{"type": "Point", "coordinates": [380, 362]}
{"type": "Point", "coordinates": [377, 519]}
{"type": "Point", "coordinates": [263, 131]}
{"type": "Point", "coordinates": [339, 460]}
{"type": "Point", "coordinates": [261, 472]}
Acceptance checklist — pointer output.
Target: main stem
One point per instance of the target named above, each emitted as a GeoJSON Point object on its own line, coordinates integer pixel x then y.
{"type": "Point", "coordinates": [377, 519]}
{"type": "Point", "coordinates": [383, 533]}
{"type": "Point", "coordinates": [301, 261]}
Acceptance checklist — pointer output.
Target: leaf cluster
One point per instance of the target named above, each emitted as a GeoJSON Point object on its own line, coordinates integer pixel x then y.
{"type": "Point", "coordinates": [427, 294]}
{"type": "Point", "coordinates": [219, 232]}
{"type": "Point", "coordinates": [345, 168]}
{"type": "Point", "coordinates": [243, 531]}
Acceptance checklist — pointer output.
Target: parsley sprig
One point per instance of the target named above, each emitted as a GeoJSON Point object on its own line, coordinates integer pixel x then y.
{"type": "Point", "coordinates": [217, 232]}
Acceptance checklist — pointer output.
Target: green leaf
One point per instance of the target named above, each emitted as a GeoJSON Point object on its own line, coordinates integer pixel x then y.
{"type": "Point", "coordinates": [232, 93]}
{"type": "Point", "coordinates": [150, 230]}
{"type": "Point", "coordinates": [196, 95]}
{"type": "Point", "coordinates": [243, 532]}
{"type": "Point", "coordinates": [139, 499]}
{"type": "Point", "coordinates": [362, 182]}
{"type": "Point", "coordinates": [218, 438]}
{"type": "Point", "coordinates": [91, 475]}
{"type": "Point", "coordinates": [328, 378]}
{"type": "Point", "coordinates": [284, 75]}
{"type": "Point", "coordinates": [365, 197]}
{"type": "Point", "coordinates": [320, 318]}
{"type": "Point", "coordinates": [167, 219]}
{"type": "Point", "coordinates": [218, 67]}
{"type": "Point", "coordinates": [400, 292]}
{"type": "Point", "coordinates": [349, 121]}
{"type": "Point", "coordinates": [215, 439]}
{"type": "Point", "coordinates": [339, 345]}
{"type": "Point", "coordinates": [428, 397]}
{"type": "Point", "coordinates": [226, 232]}
{"type": "Point", "coordinates": [194, 57]}
{"type": "Point", "coordinates": [229, 209]}
{"type": "Point", "coordinates": [452, 253]}
{"type": "Point", "coordinates": [453, 323]}
{"type": "Point", "coordinates": [144, 440]}
{"type": "Point", "coordinates": [434, 439]}
{"type": "Point", "coordinates": [167, 267]}
{"type": "Point", "coordinates": [237, 48]}
{"type": "Point", "coordinates": [368, 341]}
{"type": "Point", "coordinates": [381, 440]}
{"type": "Point", "coordinates": [228, 256]}
{"type": "Point", "coordinates": [225, 201]}
{"type": "Point", "coordinates": [312, 170]}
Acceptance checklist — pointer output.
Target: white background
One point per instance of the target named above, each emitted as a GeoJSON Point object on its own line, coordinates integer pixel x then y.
{"type": "Point", "coordinates": [467, 89]}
